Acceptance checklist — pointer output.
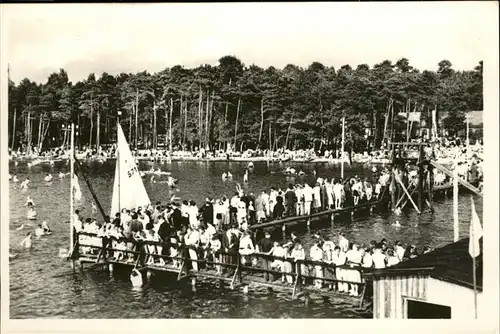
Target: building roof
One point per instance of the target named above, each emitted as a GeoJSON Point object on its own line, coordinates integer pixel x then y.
{"type": "Point", "coordinates": [475, 117]}
{"type": "Point", "coordinates": [451, 263]}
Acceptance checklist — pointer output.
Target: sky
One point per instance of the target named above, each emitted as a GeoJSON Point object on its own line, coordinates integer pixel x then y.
{"type": "Point", "coordinates": [114, 38]}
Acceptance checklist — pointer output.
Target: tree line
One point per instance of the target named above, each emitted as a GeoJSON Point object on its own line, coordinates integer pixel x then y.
{"type": "Point", "coordinates": [242, 106]}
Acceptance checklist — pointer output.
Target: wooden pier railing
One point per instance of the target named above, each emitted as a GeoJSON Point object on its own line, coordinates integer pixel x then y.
{"type": "Point", "coordinates": [297, 275]}
{"type": "Point", "coordinates": [332, 213]}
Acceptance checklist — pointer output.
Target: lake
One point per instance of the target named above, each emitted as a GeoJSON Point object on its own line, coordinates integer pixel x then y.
{"type": "Point", "coordinates": [42, 285]}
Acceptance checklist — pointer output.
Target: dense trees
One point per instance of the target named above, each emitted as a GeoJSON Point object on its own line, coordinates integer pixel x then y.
{"type": "Point", "coordinates": [242, 106]}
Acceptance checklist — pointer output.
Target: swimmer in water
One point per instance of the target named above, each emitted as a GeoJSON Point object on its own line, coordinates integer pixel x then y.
{"type": "Point", "coordinates": [171, 182]}
{"type": "Point", "coordinates": [24, 184]}
{"type": "Point", "coordinates": [48, 178]}
{"type": "Point", "coordinates": [29, 202]}
{"type": "Point", "coordinates": [46, 228]}
{"type": "Point", "coordinates": [224, 176]}
{"type": "Point", "coordinates": [31, 213]}
{"type": "Point", "coordinates": [26, 243]}
{"type": "Point", "coordinates": [396, 224]}
{"type": "Point", "coordinates": [39, 231]}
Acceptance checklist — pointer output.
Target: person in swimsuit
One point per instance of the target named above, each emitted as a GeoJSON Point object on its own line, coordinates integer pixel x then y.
{"type": "Point", "coordinates": [27, 242]}
{"type": "Point", "coordinates": [46, 228]}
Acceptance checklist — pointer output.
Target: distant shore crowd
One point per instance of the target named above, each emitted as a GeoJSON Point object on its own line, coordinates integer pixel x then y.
{"type": "Point", "coordinates": [444, 151]}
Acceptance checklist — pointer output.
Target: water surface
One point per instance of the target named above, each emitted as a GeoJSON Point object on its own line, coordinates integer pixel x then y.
{"type": "Point", "coordinates": [42, 285]}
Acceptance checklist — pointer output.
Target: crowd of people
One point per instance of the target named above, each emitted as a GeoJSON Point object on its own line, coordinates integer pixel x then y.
{"type": "Point", "coordinates": [219, 232]}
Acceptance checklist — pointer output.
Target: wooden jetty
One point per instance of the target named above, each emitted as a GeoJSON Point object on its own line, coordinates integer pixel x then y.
{"type": "Point", "coordinates": [241, 271]}
{"type": "Point", "coordinates": [350, 211]}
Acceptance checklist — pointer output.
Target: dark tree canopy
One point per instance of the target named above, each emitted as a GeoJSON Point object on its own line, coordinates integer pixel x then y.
{"type": "Point", "coordinates": [244, 106]}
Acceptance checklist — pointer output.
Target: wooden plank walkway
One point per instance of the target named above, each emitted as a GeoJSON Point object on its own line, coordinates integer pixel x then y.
{"type": "Point", "coordinates": [299, 279]}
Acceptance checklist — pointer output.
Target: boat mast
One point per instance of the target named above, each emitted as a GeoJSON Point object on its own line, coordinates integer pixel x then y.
{"type": "Point", "coordinates": [342, 150]}
{"type": "Point", "coordinates": [72, 178]}
{"type": "Point", "coordinates": [118, 162]}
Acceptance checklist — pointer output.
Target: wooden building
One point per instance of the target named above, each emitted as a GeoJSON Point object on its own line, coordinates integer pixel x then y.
{"type": "Point", "coordinates": [438, 284]}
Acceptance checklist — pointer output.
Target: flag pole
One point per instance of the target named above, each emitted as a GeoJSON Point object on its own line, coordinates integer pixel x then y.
{"type": "Point", "coordinates": [472, 250]}
{"type": "Point", "coordinates": [467, 144]}
{"type": "Point", "coordinates": [342, 149]}
{"type": "Point", "coordinates": [455, 202]}
{"type": "Point", "coordinates": [118, 162]}
{"type": "Point", "coordinates": [72, 181]}
{"type": "Point", "coordinates": [474, 281]}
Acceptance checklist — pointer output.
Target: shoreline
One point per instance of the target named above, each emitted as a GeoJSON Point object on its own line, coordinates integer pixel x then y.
{"type": "Point", "coordinates": [191, 158]}
{"type": "Point", "coordinates": [42, 160]}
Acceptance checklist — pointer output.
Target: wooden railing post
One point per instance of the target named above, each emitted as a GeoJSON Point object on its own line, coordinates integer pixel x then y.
{"type": "Point", "coordinates": [298, 278]}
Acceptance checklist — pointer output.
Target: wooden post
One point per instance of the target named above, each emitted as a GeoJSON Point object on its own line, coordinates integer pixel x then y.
{"type": "Point", "coordinates": [421, 178]}
{"type": "Point", "coordinates": [71, 182]}
{"type": "Point", "coordinates": [297, 279]}
{"type": "Point", "coordinates": [455, 203]}
{"type": "Point", "coordinates": [430, 189]}
{"type": "Point", "coordinates": [467, 145]}
{"type": "Point", "coordinates": [136, 115]}
{"type": "Point", "coordinates": [13, 130]}
{"type": "Point", "coordinates": [407, 194]}
{"type": "Point", "coordinates": [170, 127]}
{"type": "Point", "coordinates": [342, 149]}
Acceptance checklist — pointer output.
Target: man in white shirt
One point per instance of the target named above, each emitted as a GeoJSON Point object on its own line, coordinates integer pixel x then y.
{"type": "Point", "coordinates": [126, 218]}
{"type": "Point", "coordinates": [353, 257]}
{"type": "Point", "coordinates": [308, 197]}
{"type": "Point", "coordinates": [343, 242]}
{"type": "Point", "coordinates": [316, 254]}
{"type": "Point", "coordinates": [337, 192]}
{"type": "Point", "coordinates": [378, 257]}
{"type": "Point", "coordinates": [272, 200]}
{"type": "Point", "coordinates": [339, 259]}
{"type": "Point", "coordinates": [184, 208]}
{"type": "Point", "coordinates": [400, 251]}
{"type": "Point", "coordinates": [193, 240]}
{"type": "Point", "coordinates": [77, 223]}
{"type": "Point", "coordinates": [265, 200]}
{"type": "Point", "coordinates": [144, 219]}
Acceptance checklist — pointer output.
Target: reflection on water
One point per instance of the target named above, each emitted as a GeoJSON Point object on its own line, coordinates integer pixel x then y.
{"type": "Point", "coordinates": [42, 284]}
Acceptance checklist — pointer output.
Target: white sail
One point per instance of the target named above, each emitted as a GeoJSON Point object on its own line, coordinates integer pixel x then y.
{"type": "Point", "coordinates": [128, 188]}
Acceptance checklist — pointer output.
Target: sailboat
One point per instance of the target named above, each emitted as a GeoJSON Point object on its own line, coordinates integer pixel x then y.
{"type": "Point", "coordinates": [128, 189]}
